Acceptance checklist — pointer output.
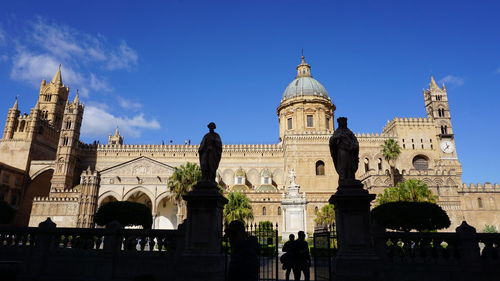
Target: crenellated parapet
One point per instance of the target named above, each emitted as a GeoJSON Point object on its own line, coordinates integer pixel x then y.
{"type": "Point", "coordinates": [480, 187]}
{"type": "Point", "coordinates": [409, 122]}
{"type": "Point", "coordinates": [56, 199]}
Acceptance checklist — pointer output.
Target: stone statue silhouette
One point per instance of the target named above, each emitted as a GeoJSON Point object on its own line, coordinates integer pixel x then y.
{"type": "Point", "coordinates": [210, 152]}
{"type": "Point", "coordinates": [344, 148]}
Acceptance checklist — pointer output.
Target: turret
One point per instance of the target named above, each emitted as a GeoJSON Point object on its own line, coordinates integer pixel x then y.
{"type": "Point", "coordinates": [67, 148]}
{"type": "Point", "coordinates": [53, 98]}
{"type": "Point", "coordinates": [89, 187]}
{"type": "Point", "coordinates": [116, 138]}
{"type": "Point", "coordinates": [11, 122]}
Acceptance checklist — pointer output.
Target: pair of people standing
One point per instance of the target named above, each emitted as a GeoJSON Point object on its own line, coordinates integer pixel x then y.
{"type": "Point", "coordinates": [296, 257]}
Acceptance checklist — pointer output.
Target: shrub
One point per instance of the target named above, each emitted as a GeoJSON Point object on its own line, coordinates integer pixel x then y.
{"type": "Point", "coordinates": [7, 213]}
{"type": "Point", "coordinates": [126, 213]}
{"type": "Point", "coordinates": [490, 229]}
{"type": "Point", "coordinates": [407, 216]}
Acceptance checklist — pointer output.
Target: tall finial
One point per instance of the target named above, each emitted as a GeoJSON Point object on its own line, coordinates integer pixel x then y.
{"type": "Point", "coordinates": [57, 79]}
{"type": "Point", "coordinates": [433, 85]}
{"type": "Point", "coordinates": [15, 106]}
{"type": "Point", "coordinates": [77, 98]}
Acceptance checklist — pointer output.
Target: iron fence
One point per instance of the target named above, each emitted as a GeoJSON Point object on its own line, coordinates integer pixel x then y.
{"type": "Point", "coordinates": [323, 250]}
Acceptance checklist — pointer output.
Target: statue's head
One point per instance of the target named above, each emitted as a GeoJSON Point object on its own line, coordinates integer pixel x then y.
{"type": "Point", "coordinates": [342, 121]}
{"type": "Point", "coordinates": [211, 126]}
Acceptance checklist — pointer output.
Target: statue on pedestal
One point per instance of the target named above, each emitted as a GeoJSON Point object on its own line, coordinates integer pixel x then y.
{"type": "Point", "coordinates": [344, 148]}
{"type": "Point", "coordinates": [292, 175]}
{"type": "Point", "coordinates": [210, 152]}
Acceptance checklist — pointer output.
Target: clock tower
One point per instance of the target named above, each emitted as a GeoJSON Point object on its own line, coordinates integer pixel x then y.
{"type": "Point", "coordinates": [438, 109]}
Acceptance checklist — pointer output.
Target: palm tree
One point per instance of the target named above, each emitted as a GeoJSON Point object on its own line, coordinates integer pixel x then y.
{"type": "Point", "coordinates": [180, 183]}
{"type": "Point", "coordinates": [411, 190]}
{"type": "Point", "coordinates": [238, 208]}
{"type": "Point", "coordinates": [325, 216]}
{"type": "Point", "coordinates": [391, 150]}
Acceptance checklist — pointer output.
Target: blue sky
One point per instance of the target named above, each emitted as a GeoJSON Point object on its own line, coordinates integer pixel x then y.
{"type": "Point", "coordinates": [162, 71]}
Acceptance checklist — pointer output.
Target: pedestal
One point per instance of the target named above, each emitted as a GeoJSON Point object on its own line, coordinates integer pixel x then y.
{"type": "Point", "coordinates": [293, 204]}
{"type": "Point", "coordinates": [202, 258]}
{"type": "Point", "coordinates": [356, 258]}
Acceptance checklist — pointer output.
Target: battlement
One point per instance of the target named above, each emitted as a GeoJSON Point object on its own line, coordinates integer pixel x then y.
{"type": "Point", "coordinates": [55, 199]}
{"type": "Point", "coordinates": [480, 187]}
{"type": "Point", "coordinates": [407, 121]}
{"type": "Point", "coordinates": [183, 148]}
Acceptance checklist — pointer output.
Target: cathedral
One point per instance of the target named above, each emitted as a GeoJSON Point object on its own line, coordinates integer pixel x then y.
{"type": "Point", "coordinates": [46, 171]}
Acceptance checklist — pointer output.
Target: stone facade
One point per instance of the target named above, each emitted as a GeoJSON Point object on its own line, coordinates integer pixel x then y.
{"type": "Point", "coordinates": [67, 180]}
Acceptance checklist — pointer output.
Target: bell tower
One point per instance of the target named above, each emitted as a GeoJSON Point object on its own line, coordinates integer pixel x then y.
{"type": "Point", "coordinates": [438, 109]}
{"type": "Point", "coordinates": [67, 149]}
{"type": "Point", "coordinates": [53, 98]}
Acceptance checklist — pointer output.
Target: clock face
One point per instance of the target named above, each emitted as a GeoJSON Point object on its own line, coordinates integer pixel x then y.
{"type": "Point", "coordinates": [447, 146]}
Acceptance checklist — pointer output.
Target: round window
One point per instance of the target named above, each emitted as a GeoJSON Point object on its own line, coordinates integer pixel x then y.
{"type": "Point", "coordinates": [420, 162]}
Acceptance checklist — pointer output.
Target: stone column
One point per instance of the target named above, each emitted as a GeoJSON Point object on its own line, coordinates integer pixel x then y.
{"type": "Point", "coordinates": [356, 258]}
{"type": "Point", "coordinates": [202, 258]}
{"type": "Point", "coordinates": [293, 204]}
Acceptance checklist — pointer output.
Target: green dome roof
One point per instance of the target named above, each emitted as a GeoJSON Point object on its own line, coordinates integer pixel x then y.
{"type": "Point", "coordinates": [304, 84]}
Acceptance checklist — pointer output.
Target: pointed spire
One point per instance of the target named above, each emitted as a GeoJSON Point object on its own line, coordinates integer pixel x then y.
{"type": "Point", "coordinates": [433, 85]}
{"type": "Point", "coordinates": [77, 97]}
{"type": "Point", "coordinates": [15, 106]}
{"type": "Point", "coordinates": [57, 79]}
{"type": "Point", "coordinates": [303, 69]}
{"type": "Point", "coordinates": [117, 132]}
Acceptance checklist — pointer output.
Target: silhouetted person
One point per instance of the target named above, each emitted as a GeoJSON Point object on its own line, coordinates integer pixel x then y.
{"type": "Point", "coordinates": [288, 258]}
{"type": "Point", "coordinates": [302, 258]}
{"type": "Point", "coordinates": [244, 262]}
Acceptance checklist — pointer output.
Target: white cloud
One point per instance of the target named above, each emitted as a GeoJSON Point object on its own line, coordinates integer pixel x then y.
{"type": "Point", "coordinates": [3, 36]}
{"type": "Point", "coordinates": [128, 104]}
{"type": "Point", "coordinates": [452, 80]}
{"type": "Point", "coordinates": [72, 45]}
{"type": "Point", "coordinates": [33, 68]}
{"type": "Point", "coordinates": [99, 84]}
{"type": "Point", "coordinates": [98, 122]}
{"type": "Point", "coordinates": [125, 58]}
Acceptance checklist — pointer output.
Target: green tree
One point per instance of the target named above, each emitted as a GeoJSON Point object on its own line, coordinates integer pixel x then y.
{"type": "Point", "coordinates": [325, 216]}
{"type": "Point", "coordinates": [405, 216]}
{"type": "Point", "coordinates": [391, 150]}
{"type": "Point", "coordinates": [181, 182]}
{"type": "Point", "coordinates": [238, 208]}
{"type": "Point", "coordinates": [490, 229]}
{"type": "Point", "coordinates": [411, 190]}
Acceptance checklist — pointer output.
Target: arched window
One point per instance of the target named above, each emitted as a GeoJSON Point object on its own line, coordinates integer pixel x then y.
{"type": "Point", "coordinates": [264, 211]}
{"type": "Point", "coordinates": [65, 140]}
{"type": "Point", "coordinates": [479, 202]}
{"type": "Point", "coordinates": [47, 97]}
{"type": "Point", "coordinates": [40, 130]}
{"type": "Point", "coordinates": [420, 162]}
{"type": "Point", "coordinates": [379, 164]}
{"type": "Point", "coordinates": [320, 168]}
{"type": "Point", "coordinates": [279, 211]}
{"type": "Point", "coordinates": [367, 165]}
{"type": "Point", "coordinates": [444, 129]}
{"type": "Point", "coordinates": [316, 210]}
{"type": "Point", "coordinates": [68, 124]}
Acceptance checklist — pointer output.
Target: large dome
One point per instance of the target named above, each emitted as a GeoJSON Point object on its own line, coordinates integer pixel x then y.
{"type": "Point", "coordinates": [305, 86]}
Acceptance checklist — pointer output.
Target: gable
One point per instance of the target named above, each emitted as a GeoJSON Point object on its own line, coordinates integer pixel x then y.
{"type": "Point", "coordinates": [142, 166]}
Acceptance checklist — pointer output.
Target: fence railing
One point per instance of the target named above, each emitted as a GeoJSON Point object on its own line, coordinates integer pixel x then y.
{"type": "Point", "coordinates": [462, 246]}
{"type": "Point", "coordinates": [113, 238]}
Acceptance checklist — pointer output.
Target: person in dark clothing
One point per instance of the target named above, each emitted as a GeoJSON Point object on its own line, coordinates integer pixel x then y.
{"type": "Point", "coordinates": [244, 261]}
{"type": "Point", "coordinates": [288, 257]}
{"type": "Point", "coordinates": [302, 258]}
